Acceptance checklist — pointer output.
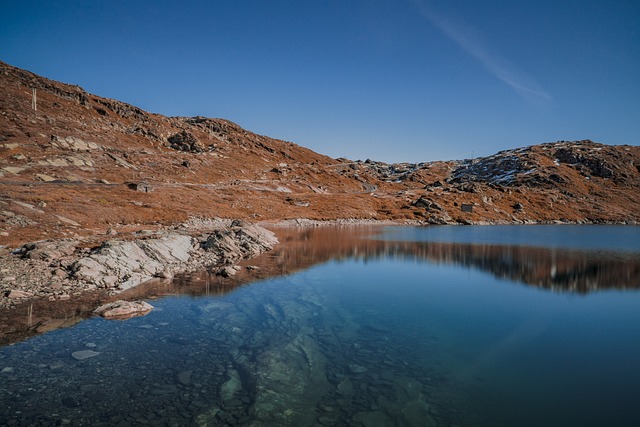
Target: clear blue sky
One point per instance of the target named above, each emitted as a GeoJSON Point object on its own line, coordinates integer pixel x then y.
{"type": "Point", "coordinates": [403, 80]}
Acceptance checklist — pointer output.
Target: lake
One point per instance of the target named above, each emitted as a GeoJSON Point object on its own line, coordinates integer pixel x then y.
{"type": "Point", "coordinates": [361, 326]}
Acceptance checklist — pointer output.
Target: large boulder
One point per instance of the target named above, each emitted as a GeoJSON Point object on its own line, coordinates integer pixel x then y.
{"type": "Point", "coordinates": [186, 141]}
{"type": "Point", "coordinates": [241, 240]}
{"type": "Point", "coordinates": [120, 310]}
{"type": "Point", "coordinates": [49, 250]}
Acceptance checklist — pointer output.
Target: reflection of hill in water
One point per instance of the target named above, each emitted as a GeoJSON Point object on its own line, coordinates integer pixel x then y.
{"type": "Point", "coordinates": [559, 270]}
{"type": "Point", "coordinates": [565, 270]}
{"type": "Point", "coordinates": [556, 269]}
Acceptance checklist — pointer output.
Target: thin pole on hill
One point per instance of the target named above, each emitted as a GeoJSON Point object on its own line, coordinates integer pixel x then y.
{"type": "Point", "coordinates": [34, 101]}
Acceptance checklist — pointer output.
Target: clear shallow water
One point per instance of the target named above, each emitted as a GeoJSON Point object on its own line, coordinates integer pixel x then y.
{"type": "Point", "coordinates": [385, 333]}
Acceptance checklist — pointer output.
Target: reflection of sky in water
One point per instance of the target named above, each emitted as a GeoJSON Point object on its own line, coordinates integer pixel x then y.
{"type": "Point", "coordinates": [532, 357]}
{"type": "Point", "coordinates": [584, 237]}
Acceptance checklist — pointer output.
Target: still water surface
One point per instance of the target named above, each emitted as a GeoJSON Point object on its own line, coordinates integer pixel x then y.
{"type": "Point", "coordinates": [439, 326]}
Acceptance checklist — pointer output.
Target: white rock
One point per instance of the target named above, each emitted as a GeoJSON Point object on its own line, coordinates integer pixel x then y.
{"type": "Point", "coordinates": [15, 294]}
{"type": "Point", "coordinates": [121, 310]}
{"type": "Point", "coordinates": [84, 354]}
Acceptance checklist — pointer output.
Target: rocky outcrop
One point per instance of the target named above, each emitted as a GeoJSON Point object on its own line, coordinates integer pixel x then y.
{"type": "Point", "coordinates": [73, 143]}
{"type": "Point", "coordinates": [586, 161]}
{"type": "Point", "coordinates": [433, 212]}
{"type": "Point", "coordinates": [241, 240]}
{"type": "Point", "coordinates": [142, 186]}
{"type": "Point", "coordinates": [186, 141]}
{"type": "Point", "coordinates": [118, 264]}
{"type": "Point", "coordinates": [125, 264]}
{"type": "Point", "coordinates": [122, 109]}
{"type": "Point", "coordinates": [539, 165]}
{"type": "Point", "coordinates": [502, 168]}
{"type": "Point", "coordinates": [429, 205]}
{"type": "Point", "coordinates": [71, 92]}
{"type": "Point", "coordinates": [50, 250]}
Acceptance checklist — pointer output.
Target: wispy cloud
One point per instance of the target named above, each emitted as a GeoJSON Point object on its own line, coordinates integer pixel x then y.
{"type": "Point", "coordinates": [496, 65]}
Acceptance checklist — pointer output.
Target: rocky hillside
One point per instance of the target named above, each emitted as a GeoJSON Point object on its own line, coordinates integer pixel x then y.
{"type": "Point", "coordinates": [73, 163]}
{"type": "Point", "coordinates": [579, 181]}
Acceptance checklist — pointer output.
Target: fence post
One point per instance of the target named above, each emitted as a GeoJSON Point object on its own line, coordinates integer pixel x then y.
{"type": "Point", "coordinates": [34, 101]}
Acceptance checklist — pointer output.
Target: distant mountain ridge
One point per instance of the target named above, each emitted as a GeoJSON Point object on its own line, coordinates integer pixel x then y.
{"type": "Point", "coordinates": [75, 163]}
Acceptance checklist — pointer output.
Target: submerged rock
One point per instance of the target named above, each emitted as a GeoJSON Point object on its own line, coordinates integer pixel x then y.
{"type": "Point", "coordinates": [84, 354]}
{"type": "Point", "coordinates": [373, 419]}
{"type": "Point", "coordinates": [290, 382]}
{"type": "Point", "coordinates": [121, 310]}
{"type": "Point", "coordinates": [232, 386]}
{"type": "Point", "coordinates": [184, 377]}
{"type": "Point", "coordinates": [357, 369]}
{"type": "Point", "coordinates": [345, 388]}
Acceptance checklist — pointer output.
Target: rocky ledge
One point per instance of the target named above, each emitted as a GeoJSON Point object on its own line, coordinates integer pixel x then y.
{"type": "Point", "coordinates": [59, 269]}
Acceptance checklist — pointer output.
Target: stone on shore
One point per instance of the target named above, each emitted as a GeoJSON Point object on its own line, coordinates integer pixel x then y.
{"type": "Point", "coordinates": [49, 250]}
{"type": "Point", "coordinates": [121, 310]}
{"type": "Point", "coordinates": [229, 271]}
{"type": "Point", "coordinates": [16, 294]}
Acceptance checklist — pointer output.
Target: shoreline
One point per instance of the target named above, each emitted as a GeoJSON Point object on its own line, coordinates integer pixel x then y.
{"type": "Point", "coordinates": [55, 305]}
{"type": "Point", "coordinates": [305, 222]}
{"type": "Point", "coordinates": [64, 268]}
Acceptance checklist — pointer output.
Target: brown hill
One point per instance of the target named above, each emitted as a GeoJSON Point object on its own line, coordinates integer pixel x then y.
{"type": "Point", "coordinates": [76, 163]}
